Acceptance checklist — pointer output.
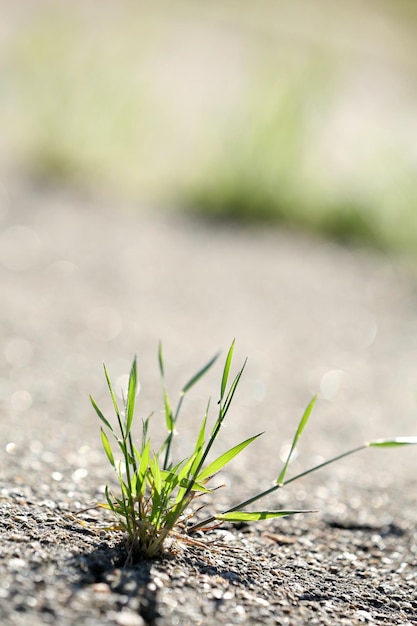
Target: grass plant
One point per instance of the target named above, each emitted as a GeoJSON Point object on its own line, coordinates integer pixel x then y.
{"type": "Point", "coordinates": [158, 497]}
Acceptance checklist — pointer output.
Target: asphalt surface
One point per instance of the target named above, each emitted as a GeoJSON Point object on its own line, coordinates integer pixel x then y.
{"type": "Point", "coordinates": [86, 281]}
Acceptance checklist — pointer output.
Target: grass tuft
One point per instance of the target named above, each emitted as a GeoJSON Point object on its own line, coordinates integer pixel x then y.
{"type": "Point", "coordinates": [157, 496]}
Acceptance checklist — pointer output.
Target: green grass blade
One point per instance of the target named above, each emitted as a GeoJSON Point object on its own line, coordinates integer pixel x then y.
{"type": "Point", "coordinates": [276, 486]}
{"type": "Point", "coordinates": [233, 388]}
{"type": "Point", "coordinates": [133, 485]}
{"type": "Point", "coordinates": [166, 398]}
{"type": "Point", "coordinates": [299, 431]}
{"type": "Point", "coordinates": [101, 416]}
{"type": "Point", "coordinates": [189, 486]}
{"type": "Point", "coordinates": [131, 397]}
{"type": "Point", "coordinates": [169, 415]}
{"type": "Point", "coordinates": [145, 429]}
{"type": "Point", "coordinates": [132, 456]}
{"type": "Point", "coordinates": [161, 360]}
{"type": "Point", "coordinates": [392, 443]}
{"type": "Point", "coordinates": [226, 370]}
{"type": "Point", "coordinates": [220, 418]}
{"type": "Point", "coordinates": [201, 435]}
{"type": "Point", "coordinates": [107, 447]}
{"type": "Point", "coordinates": [254, 516]}
{"type": "Point", "coordinates": [169, 479]}
{"type": "Point", "coordinates": [170, 426]}
{"type": "Point", "coordinates": [169, 418]}
{"type": "Point", "coordinates": [187, 478]}
{"type": "Point", "coordinates": [185, 471]}
{"type": "Point", "coordinates": [175, 478]}
{"type": "Point", "coordinates": [199, 445]}
{"type": "Point", "coordinates": [203, 455]}
{"type": "Point", "coordinates": [112, 394]}
{"type": "Point", "coordinates": [224, 459]}
{"type": "Point", "coordinates": [125, 489]}
{"type": "Point", "coordinates": [156, 475]}
{"type": "Point", "coordinates": [199, 374]}
{"type": "Point", "coordinates": [169, 482]}
{"type": "Point", "coordinates": [108, 498]}
{"type": "Point", "coordinates": [143, 461]}
{"type": "Point", "coordinates": [120, 509]}
{"type": "Point", "coordinates": [122, 446]}
{"type": "Point", "coordinates": [176, 511]}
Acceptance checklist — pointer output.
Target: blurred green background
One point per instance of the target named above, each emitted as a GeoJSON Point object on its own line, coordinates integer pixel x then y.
{"type": "Point", "coordinates": [301, 112]}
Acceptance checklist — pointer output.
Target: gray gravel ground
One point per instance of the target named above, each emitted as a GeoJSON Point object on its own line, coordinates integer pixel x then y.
{"type": "Point", "coordinates": [82, 282]}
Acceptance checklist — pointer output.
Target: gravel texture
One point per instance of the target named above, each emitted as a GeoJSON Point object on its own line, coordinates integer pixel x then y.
{"type": "Point", "coordinates": [82, 282]}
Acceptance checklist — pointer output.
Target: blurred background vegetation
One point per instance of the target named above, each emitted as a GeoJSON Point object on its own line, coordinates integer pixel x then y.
{"type": "Point", "coordinates": [299, 112]}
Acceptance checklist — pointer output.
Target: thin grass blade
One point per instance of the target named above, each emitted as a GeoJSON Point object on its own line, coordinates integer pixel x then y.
{"type": "Point", "coordinates": [254, 516]}
{"type": "Point", "coordinates": [101, 416]}
{"type": "Point", "coordinates": [161, 360]}
{"type": "Point", "coordinates": [203, 455]}
{"type": "Point", "coordinates": [156, 475]}
{"type": "Point", "coordinates": [185, 483]}
{"type": "Point", "coordinates": [392, 443]}
{"type": "Point", "coordinates": [112, 394]}
{"type": "Point", "coordinates": [169, 417]}
{"type": "Point", "coordinates": [275, 487]}
{"type": "Point", "coordinates": [173, 515]}
{"type": "Point", "coordinates": [299, 431]}
{"type": "Point", "coordinates": [201, 435]}
{"type": "Point", "coordinates": [169, 482]}
{"type": "Point", "coordinates": [233, 388]}
{"type": "Point", "coordinates": [108, 498]}
{"type": "Point", "coordinates": [185, 471]}
{"type": "Point", "coordinates": [224, 459]}
{"type": "Point", "coordinates": [226, 370]}
{"type": "Point", "coordinates": [107, 447]}
{"type": "Point", "coordinates": [219, 421]}
{"type": "Point", "coordinates": [104, 505]}
{"type": "Point", "coordinates": [133, 485]}
{"type": "Point", "coordinates": [199, 374]}
{"type": "Point", "coordinates": [144, 465]}
{"type": "Point", "coordinates": [190, 486]}
{"type": "Point", "coordinates": [198, 449]}
{"type": "Point", "coordinates": [131, 397]}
